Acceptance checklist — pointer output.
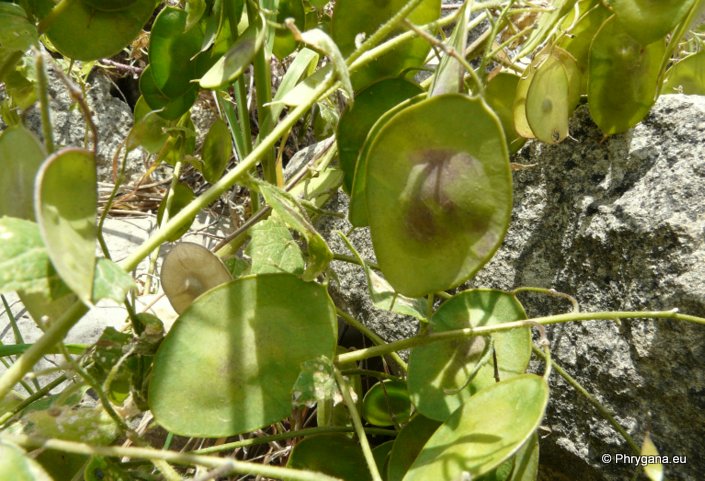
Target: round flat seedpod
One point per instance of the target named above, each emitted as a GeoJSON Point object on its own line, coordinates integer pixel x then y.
{"type": "Point", "coordinates": [500, 93]}
{"type": "Point", "coordinates": [650, 20]}
{"type": "Point", "coordinates": [188, 271]}
{"type": "Point", "coordinates": [622, 77]}
{"type": "Point", "coordinates": [387, 403]}
{"type": "Point", "coordinates": [521, 124]}
{"type": "Point", "coordinates": [547, 101]}
{"type": "Point", "coordinates": [438, 198]}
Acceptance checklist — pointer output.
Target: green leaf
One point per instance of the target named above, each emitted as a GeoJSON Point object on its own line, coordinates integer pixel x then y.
{"type": "Point", "coordinates": [332, 454]}
{"type": "Point", "coordinates": [111, 281]}
{"type": "Point", "coordinates": [79, 423]}
{"type": "Point", "coordinates": [687, 76]}
{"type": "Point", "coordinates": [355, 18]}
{"type": "Point", "coordinates": [170, 108]}
{"type": "Point", "coordinates": [188, 271]}
{"type": "Point", "coordinates": [16, 36]}
{"type": "Point", "coordinates": [294, 216]}
{"type": "Point", "coordinates": [302, 92]}
{"type": "Point", "coordinates": [654, 471]}
{"type": "Point", "coordinates": [105, 469]}
{"type": "Point", "coordinates": [81, 32]}
{"type": "Point", "coordinates": [216, 152]}
{"type": "Point", "coordinates": [387, 403]}
{"type": "Point", "coordinates": [499, 94]}
{"type": "Point", "coordinates": [526, 461]}
{"type": "Point", "coordinates": [171, 49]}
{"type": "Point", "coordinates": [356, 122]}
{"type": "Point", "coordinates": [438, 199]}
{"type": "Point", "coordinates": [284, 42]}
{"type": "Point", "coordinates": [21, 154]}
{"type": "Point", "coordinates": [252, 334]}
{"type": "Point", "coordinates": [408, 444]}
{"type": "Point", "coordinates": [650, 20]}
{"type": "Point", "coordinates": [195, 10]}
{"type": "Point", "coordinates": [449, 74]}
{"type": "Point", "coordinates": [439, 373]}
{"type": "Point", "coordinates": [273, 249]}
{"type": "Point", "coordinates": [234, 63]}
{"type": "Point", "coordinates": [110, 5]}
{"type": "Point", "coordinates": [17, 466]}
{"type": "Point", "coordinates": [319, 40]}
{"type": "Point", "coordinates": [66, 204]}
{"type": "Point", "coordinates": [490, 427]}
{"type": "Point", "coordinates": [182, 196]}
{"type": "Point", "coordinates": [617, 59]}
{"type": "Point", "coordinates": [149, 130]}
{"type": "Point", "coordinates": [316, 383]}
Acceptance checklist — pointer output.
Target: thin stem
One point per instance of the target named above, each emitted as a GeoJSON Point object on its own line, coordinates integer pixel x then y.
{"type": "Point", "coordinates": [43, 94]}
{"type": "Point", "coordinates": [592, 400]}
{"type": "Point", "coordinates": [549, 292]}
{"type": "Point", "coordinates": [357, 423]}
{"type": "Point", "coordinates": [421, 340]}
{"type": "Point", "coordinates": [236, 466]}
{"type": "Point", "coordinates": [493, 34]}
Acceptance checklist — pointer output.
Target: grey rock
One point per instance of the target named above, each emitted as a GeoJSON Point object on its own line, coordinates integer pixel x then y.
{"type": "Point", "coordinates": [619, 224]}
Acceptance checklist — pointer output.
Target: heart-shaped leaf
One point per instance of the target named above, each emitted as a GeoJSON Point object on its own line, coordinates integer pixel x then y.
{"type": "Point", "coordinates": [490, 427]}
{"type": "Point", "coordinates": [438, 199]}
{"type": "Point", "coordinates": [21, 154]}
{"type": "Point", "coordinates": [68, 222]}
{"type": "Point", "coordinates": [440, 373]}
{"type": "Point", "coordinates": [618, 59]}
{"type": "Point", "coordinates": [229, 363]}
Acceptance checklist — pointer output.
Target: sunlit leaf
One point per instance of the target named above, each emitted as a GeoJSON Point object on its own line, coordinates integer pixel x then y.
{"type": "Point", "coordinates": [438, 199]}
{"type": "Point", "coordinates": [273, 249]}
{"type": "Point", "coordinates": [319, 40]}
{"type": "Point", "coordinates": [111, 281]}
{"type": "Point", "coordinates": [252, 334]}
{"type": "Point", "coordinates": [448, 78]}
{"type": "Point", "coordinates": [21, 154]}
{"type": "Point", "coordinates": [654, 471]}
{"type": "Point", "coordinates": [65, 205]}
{"type": "Point", "coordinates": [332, 454]}
{"type": "Point", "coordinates": [687, 76]}
{"type": "Point", "coordinates": [17, 466]}
{"type": "Point", "coordinates": [440, 373]}
{"type": "Point", "coordinates": [490, 427]}
{"type": "Point", "coordinates": [616, 59]}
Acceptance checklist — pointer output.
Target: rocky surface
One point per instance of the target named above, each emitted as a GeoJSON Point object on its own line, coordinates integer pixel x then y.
{"type": "Point", "coordinates": [618, 223]}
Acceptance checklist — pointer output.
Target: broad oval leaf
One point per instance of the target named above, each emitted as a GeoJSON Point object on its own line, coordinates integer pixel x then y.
{"type": "Point", "coordinates": [273, 249]}
{"type": "Point", "coordinates": [650, 20]}
{"type": "Point", "coordinates": [229, 363]}
{"type": "Point", "coordinates": [216, 151]}
{"type": "Point", "coordinates": [188, 271]}
{"type": "Point", "coordinates": [438, 199]}
{"type": "Point", "coordinates": [616, 59]}
{"type": "Point", "coordinates": [17, 466]}
{"type": "Point", "coordinates": [408, 444]}
{"type": "Point", "coordinates": [233, 64]}
{"type": "Point", "coordinates": [500, 93]}
{"type": "Point", "coordinates": [440, 373]}
{"type": "Point", "coordinates": [171, 50]}
{"type": "Point", "coordinates": [387, 403]}
{"type": "Point", "coordinates": [354, 18]}
{"type": "Point", "coordinates": [65, 206]}
{"type": "Point", "coordinates": [170, 108]}
{"type": "Point", "coordinates": [357, 121]}
{"type": "Point", "coordinates": [284, 42]}
{"type": "Point", "coordinates": [332, 454]}
{"type": "Point", "coordinates": [81, 32]}
{"type": "Point", "coordinates": [21, 154]}
{"type": "Point", "coordinates": [687, 76]}
{"type": "Point", "coordinates": [489, 428]}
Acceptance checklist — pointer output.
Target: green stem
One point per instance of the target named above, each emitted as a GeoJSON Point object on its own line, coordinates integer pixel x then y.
{"type": "Point", "coordinates": [290, 435]}
{"type": "Point", "coordinates": [374, 351]}
{"type": "Point", "coordinates": [235, 466]}
{"type": "Point", "coordinates": [243, 115]}
{"type": "Point", "coordinates": [43, 94]}
{"type": "Point", "coordinates": [357, 423]}
{"type": "Point", "coordinates": [592, 400]}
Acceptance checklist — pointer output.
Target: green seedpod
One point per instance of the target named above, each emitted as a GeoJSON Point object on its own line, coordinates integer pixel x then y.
{"type": "Point", "coordinates": [623, 77]}
{"type": "Point", "coordinates": [492, 425]}
{"type": "Point", "coordinates": [332, 454]}
{"type": "Point", "coordinates": [521, 124]}
{"type": "Point", "coordinates": [188, 271]}
{"type": "Point", "coordinates": [82, 32]}
{"type": "Point", "coordinates": [110, 5]}
{"type": "Point", "coordinates": [650, 20]}
{"type": "Point", "coordinates": [357, 211]}
{"type": "Point", "coordinates": [166, 107]}
{"type": "Point", "coordinates": [438, 199]}
{"type": "Point", "coordinates": [21, 154]}
{"type": "Point", "coordinates": [230, 361]}
{"type": "Point", "coordinates": [687, 76]}
{"type": "Point", "coordinates": [216, 151]}
{"type": "Point", "coordinates": [356, 122]}
{"type": "Point", "coordinates": [408, 444]}
{"type": "Point", "coordinates": [67, 222]}
{"type": "Point", "coordinates": [182, 196]}
{"type": "Point", "coordinates": [353, 20]}
{"type": "Point", "coordinates": [387, 404]}
{"type": "Point", "coordinates": [171, 50]}
{"type": "Point", "coordinates": [444, 375]}
{"type": "Point", "coordinates": [553, 94]}
{"type": "Point", "coordinates": [500, 93]}
{"type": "Point", "coordinates": [284, 42]}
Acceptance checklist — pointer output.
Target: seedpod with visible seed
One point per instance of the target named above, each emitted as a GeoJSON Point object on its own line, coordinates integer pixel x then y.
{"type": "Point", "coordinates": [188, 271]}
